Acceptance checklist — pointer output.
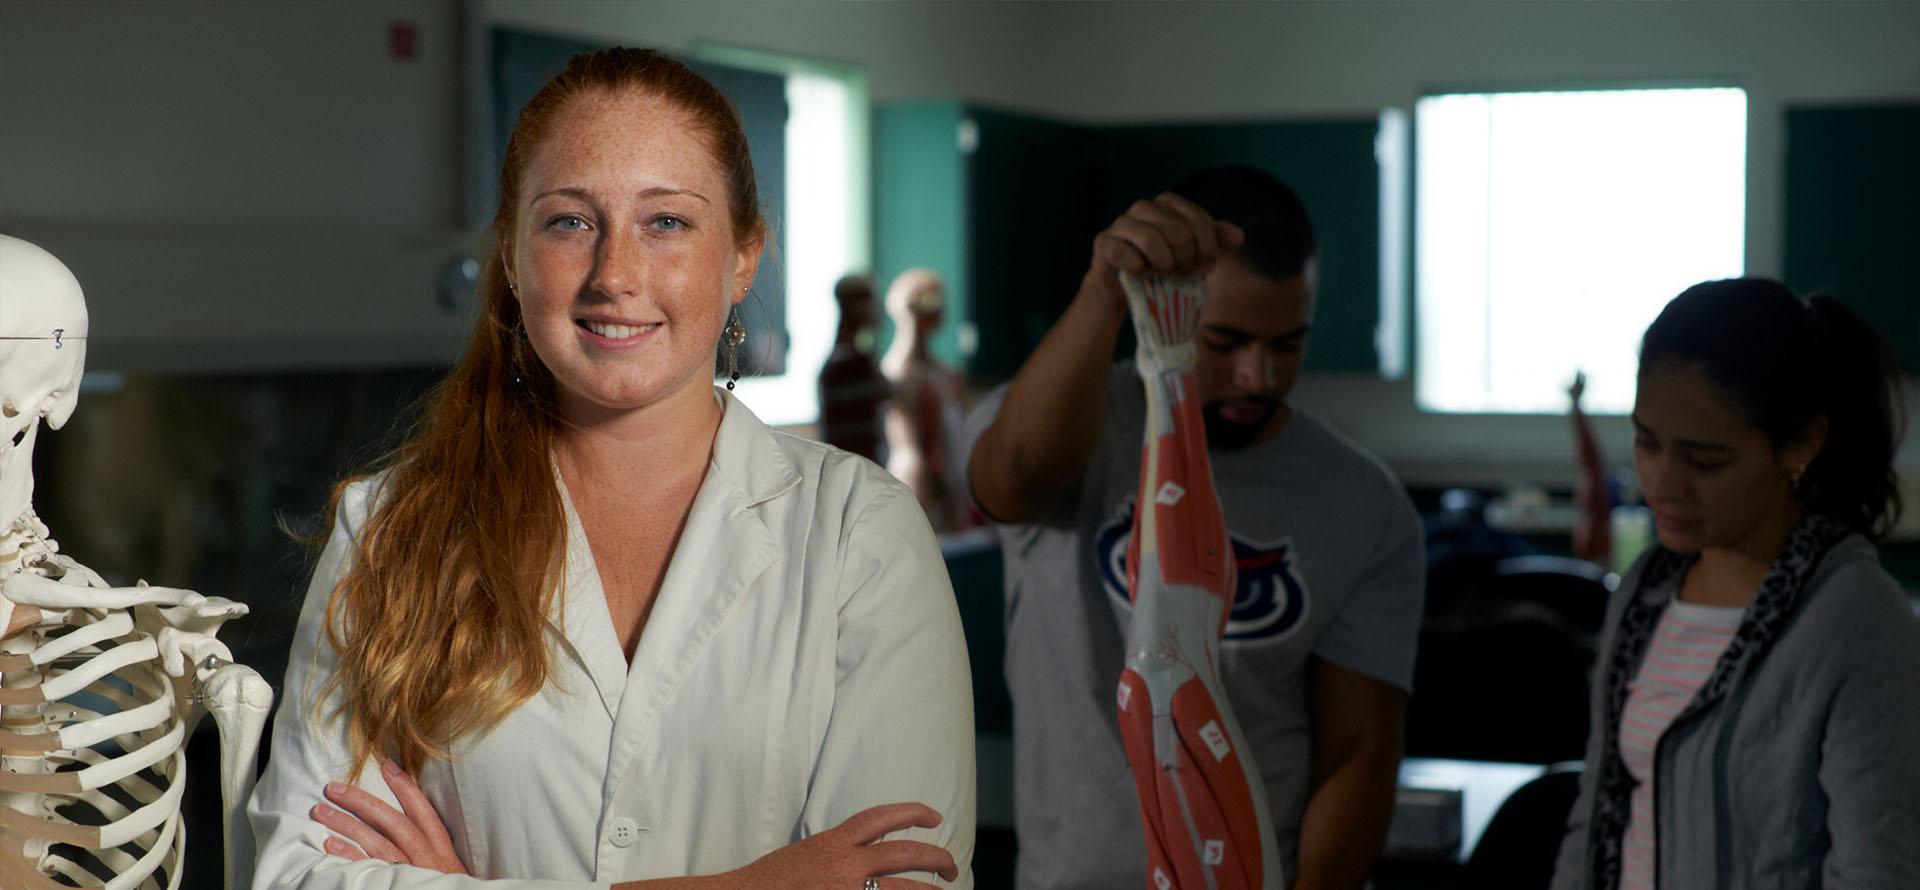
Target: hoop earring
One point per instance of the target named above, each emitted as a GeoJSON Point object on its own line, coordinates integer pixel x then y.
{"type": "Point", "coordinates": [734, 335]}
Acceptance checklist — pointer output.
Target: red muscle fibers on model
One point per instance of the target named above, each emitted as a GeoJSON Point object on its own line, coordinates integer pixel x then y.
{"type": "Point", "coordinates": [1202, 804]}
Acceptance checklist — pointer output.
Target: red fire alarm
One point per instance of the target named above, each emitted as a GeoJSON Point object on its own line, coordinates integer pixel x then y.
{"type": "Point", "coordinates": [403, 41]}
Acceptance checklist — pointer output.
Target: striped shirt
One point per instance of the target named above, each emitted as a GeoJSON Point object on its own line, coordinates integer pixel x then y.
{"type": "Point", "coordinates": [1678, 662]}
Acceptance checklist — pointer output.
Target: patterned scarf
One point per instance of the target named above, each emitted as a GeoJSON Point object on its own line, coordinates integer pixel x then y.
{"type": "Point", "coordinates": [1772, 605]}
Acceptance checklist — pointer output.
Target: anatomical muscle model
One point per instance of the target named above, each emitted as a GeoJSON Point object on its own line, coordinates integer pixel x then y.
{"type": "Point", "coordinates": [1202, 802]}
{"type": "Point", "coordinates": [99, 686]}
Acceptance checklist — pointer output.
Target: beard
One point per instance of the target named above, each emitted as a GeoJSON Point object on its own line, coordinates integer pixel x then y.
{"type": "Point", "coordinates": [1225, 433]}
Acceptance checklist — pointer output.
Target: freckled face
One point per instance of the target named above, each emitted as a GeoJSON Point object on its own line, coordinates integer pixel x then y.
{"type": "Point", "coordinates": [624, 253]}
{"type": "Point", "coordinates": [1711, 479]}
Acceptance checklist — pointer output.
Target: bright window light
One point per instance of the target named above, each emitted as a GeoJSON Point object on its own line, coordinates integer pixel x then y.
{"type": "Point", "coordinates": [1552, 227]}
{"type": "Point", "coordinates": [818, 250]}
{"type": "Point", "coordinates": [827, 224]}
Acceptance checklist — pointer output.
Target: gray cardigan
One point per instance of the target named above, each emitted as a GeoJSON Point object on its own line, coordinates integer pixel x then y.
{"type": "Point", "coordinates": [1806, 772]}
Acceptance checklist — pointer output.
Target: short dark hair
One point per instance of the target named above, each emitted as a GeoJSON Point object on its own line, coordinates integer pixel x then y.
{"type": "Point", "coordinates": [1785, 360]}
{"type": "Point", "coordinates": [1279, 234]}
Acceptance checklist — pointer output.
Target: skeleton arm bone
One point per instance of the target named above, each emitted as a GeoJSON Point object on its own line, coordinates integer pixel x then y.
{"type": "Point", "coordinates": [33, 590]}
{"type": "Point", "coordinates": [239, 700]}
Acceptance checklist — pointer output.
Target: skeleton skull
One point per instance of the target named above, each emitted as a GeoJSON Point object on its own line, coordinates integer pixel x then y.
{"type": "Point", "coordinates": [43, 346]}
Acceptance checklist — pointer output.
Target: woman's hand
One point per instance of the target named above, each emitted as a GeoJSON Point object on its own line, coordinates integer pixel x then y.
{"type": "Point", "coordinates": [378, 831]}
{"type": "Point", "coordinates": [845, 856]}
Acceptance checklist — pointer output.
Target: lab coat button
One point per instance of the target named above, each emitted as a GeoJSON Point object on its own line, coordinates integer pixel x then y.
{"type": "Point", "coordinates": [623, 832]}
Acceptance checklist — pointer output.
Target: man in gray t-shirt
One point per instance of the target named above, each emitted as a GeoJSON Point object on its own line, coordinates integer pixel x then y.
{"type": "Point", "coordinates": [1318, 653]}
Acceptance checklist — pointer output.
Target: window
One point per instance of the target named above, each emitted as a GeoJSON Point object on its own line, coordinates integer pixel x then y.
{"type": "Point", "coordinates": [823, 226]}
{"type": "Point", "coordinates": [1550, 229]}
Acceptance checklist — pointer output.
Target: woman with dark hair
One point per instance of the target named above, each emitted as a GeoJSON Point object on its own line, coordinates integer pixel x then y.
{"type": "Point", "coordinates": [1755, 720]}
{"type": "Point", "coordinates": [594, 623]}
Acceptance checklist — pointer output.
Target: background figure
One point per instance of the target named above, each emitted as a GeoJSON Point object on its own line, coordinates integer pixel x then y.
{"type": "Point", "coordinates": [853, 392]}
{"type": "Point", "coordinates": [926, 415]}
{"type": "Point", "coordinates": [1318, 653]}
{"type": "Point", "coordinates": [1593, 516]}
{"type": "Point", "coordinates": [1754, 722]}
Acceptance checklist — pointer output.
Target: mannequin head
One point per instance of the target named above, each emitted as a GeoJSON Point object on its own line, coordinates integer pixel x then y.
{"type": "Point", "coordinates": [43, 349]}
{"type": "Point", "coordinates": [854, 295]}
{"type": "Point", "coordinates": [916, 301]}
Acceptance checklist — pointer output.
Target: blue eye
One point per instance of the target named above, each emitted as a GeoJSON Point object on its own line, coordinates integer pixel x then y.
{"type": "Point", "coordinates": [670, 223]}
{"type": "Point", "coordinates": [567, 223]}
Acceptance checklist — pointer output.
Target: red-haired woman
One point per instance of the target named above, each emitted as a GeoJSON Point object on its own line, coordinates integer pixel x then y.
{"type": "Point", "coordinates": [596, 624]}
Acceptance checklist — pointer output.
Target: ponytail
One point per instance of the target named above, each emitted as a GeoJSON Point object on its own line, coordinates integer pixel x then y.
{"type": "Point", "coordinates": [1853, 479]}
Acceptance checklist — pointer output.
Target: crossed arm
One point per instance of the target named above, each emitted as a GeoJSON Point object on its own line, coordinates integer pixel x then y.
{"type": "Point", "coordinates": [843, 856]}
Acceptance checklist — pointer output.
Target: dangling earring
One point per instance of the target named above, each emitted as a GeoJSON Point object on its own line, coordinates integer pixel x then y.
{"type": "Point", "coordinates": [1793, 479]}
{"type": "Point", "coordinates": [519, 335]}
{"type": "Point", "coordinates": [735, 334]}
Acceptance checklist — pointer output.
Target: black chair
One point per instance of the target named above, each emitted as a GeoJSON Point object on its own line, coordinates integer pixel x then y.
{"type": "Point", "coordinates": [1502, 670]}
{"type": "Point", "coordinates": [1575, 588]}
{"type": "Point", "coordinates": [1517, 850]}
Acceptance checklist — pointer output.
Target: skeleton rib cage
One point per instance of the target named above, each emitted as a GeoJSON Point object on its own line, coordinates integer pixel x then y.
{"type": "Point", "coordinates": [96, 701]}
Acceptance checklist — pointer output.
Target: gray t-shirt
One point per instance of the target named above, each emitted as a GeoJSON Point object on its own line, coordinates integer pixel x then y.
{"type": "Point", "coordinates": [1330, 565]}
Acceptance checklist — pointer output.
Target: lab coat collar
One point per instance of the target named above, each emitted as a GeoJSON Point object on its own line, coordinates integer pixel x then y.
{"type": "Point", "coordinates": [747, 457]}
{"type": "Point", "coordinates": [723, 547]}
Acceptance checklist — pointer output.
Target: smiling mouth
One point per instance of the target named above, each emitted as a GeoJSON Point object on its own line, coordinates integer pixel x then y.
{"type": "Point", "coordinates": [617, 331]}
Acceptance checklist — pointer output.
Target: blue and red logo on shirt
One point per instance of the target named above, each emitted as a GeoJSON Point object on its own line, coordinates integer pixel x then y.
{"type": "Point", "coordinates": [1269, 599]}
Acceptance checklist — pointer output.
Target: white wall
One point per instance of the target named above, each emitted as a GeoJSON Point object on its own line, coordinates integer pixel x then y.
{"type": "Point", "coordinates": [279, 113]}
{"type": "Point", "coordinates": [989, 52]}
{"type": "Point", "coordinates": [237, 185]}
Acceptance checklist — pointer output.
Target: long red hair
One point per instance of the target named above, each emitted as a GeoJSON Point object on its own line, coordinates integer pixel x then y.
{"type": "Point", "coordinates": [440, 618]}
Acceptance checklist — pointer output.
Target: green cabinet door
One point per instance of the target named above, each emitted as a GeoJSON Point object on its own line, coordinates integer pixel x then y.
{"type": "Point", "coordinates": [1329, 163]}
{"type": "Point", "coordinates": [1005, 207]}
{"type": "Point", "coordinates": [1853, 213]}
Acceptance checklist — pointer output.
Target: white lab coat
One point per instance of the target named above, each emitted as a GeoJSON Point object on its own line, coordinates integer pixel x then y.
{"type": "Point", "coordinates": [803, 661]}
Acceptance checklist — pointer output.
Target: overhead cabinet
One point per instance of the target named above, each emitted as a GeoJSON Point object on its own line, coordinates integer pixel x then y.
{"type": "Point", "coordinates": [1005, 207]}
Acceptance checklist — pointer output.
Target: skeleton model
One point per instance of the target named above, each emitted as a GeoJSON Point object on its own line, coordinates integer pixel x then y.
{"type": "Point", "coordinates": [1201, 798]}
{"type": "Point", "coordinates": [99, 686]}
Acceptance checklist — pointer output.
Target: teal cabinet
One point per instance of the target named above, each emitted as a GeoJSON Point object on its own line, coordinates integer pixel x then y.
{"type": "Point", "coordinates": [1329, 163]}
{"type": "Point", "coordinates": [919, 205]}
{"type": "Point", "coordinates": [1853, 213]}
{"type": "Point", "coordinates": [1006, 205]}
{"type": "Point", "coordinates": [1033, 207]}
